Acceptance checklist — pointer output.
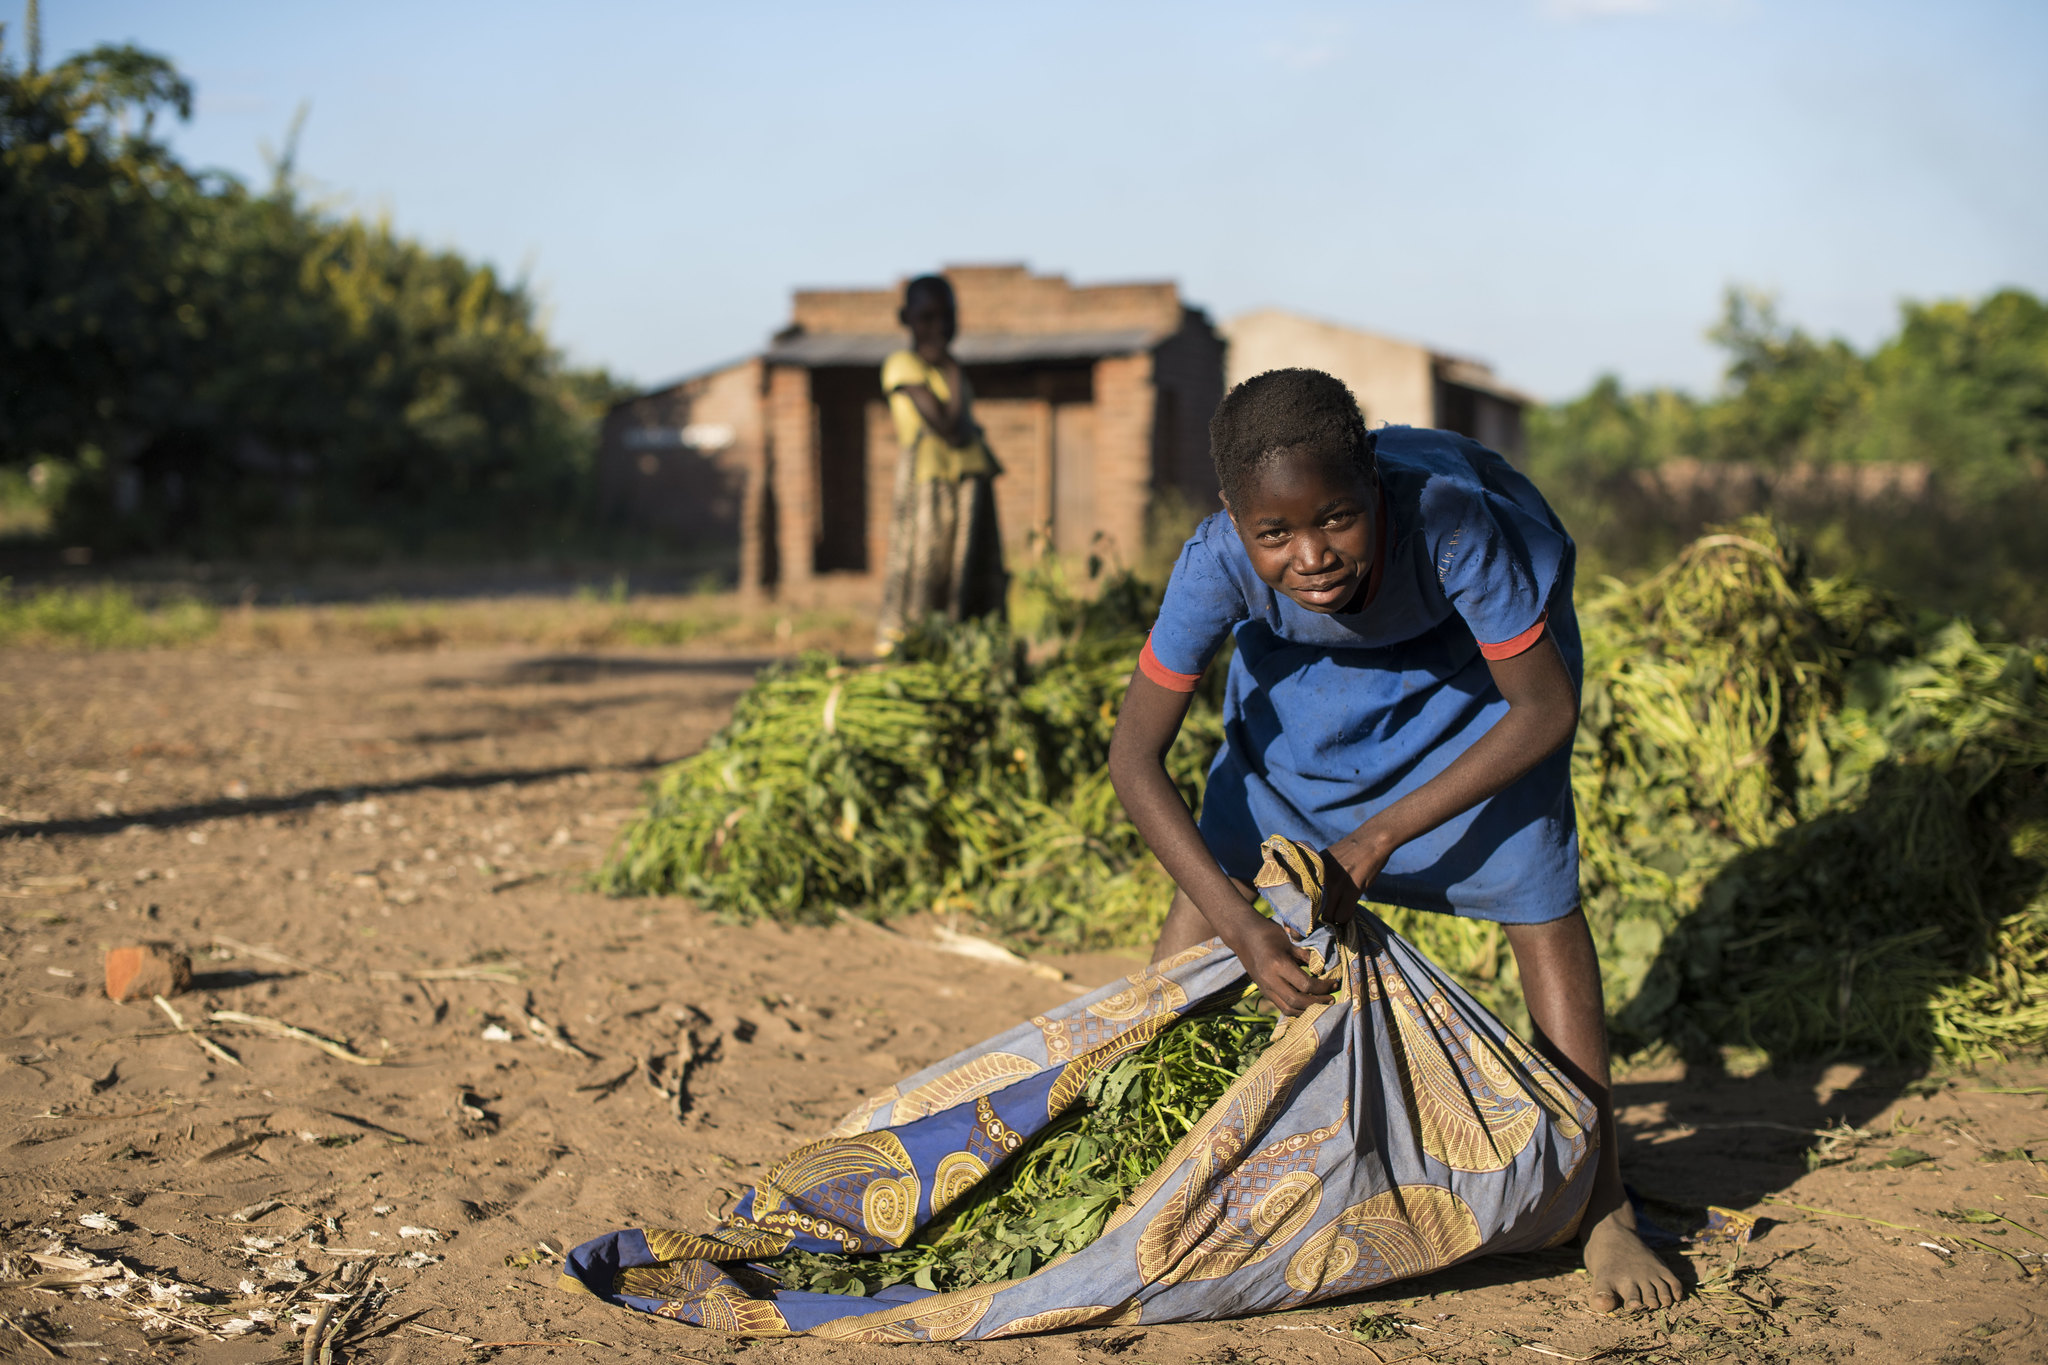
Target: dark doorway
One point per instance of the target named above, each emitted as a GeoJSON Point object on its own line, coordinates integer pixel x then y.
{"type": "Point", "coordinates": [840, 398]}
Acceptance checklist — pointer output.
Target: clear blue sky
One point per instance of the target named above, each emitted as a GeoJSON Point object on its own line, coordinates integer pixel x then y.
{"type": "Point", "coordinates": [1561, 187]}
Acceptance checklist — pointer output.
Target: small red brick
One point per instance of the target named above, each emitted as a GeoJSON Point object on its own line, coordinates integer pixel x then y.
{"type": "Point", "coordinates": [139, 970]}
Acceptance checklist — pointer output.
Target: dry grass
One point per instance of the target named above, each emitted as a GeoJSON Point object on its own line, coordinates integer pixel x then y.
{"type": "Point", "coordinates": [111, 617]}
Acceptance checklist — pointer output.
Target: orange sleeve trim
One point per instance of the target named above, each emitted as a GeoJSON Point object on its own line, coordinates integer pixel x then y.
{"type": "Point", "coordinates": [1149, 665]}
{"type": "Point", "coordinates": [1508, 649]}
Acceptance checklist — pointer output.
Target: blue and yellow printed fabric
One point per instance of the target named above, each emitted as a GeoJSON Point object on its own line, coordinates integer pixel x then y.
{"type": "Point", "coordinates": [1389, 1130]}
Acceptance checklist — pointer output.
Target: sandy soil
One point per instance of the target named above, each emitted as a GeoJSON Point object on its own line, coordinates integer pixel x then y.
{"type": "Point", "coordinates": [320, 827]}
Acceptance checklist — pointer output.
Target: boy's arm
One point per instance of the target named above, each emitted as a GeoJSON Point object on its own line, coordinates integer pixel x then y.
{"type": "Point", "coordinates": [1145, 730]}
{"type": "Point", "coordinates": [945, 419]}
{"type": "Point", "coordinates": [1543, 712]}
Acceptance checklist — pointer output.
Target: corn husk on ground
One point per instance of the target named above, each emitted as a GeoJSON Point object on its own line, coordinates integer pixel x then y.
{"type": "Point", "coordinates": [1812, 820]}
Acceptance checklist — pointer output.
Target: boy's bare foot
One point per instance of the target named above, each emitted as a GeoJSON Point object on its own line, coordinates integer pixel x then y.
{"type": "Point", "coordinates": [1627, 1276]}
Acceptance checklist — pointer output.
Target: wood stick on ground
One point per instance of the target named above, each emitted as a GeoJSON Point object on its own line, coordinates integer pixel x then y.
{"type": "Point", "coordinates": [283, 1030]}
{"type": "Point", "coordinates": [108, 1118]}
{"type": "Point", "coordinates": [603, 1088]}
{"type": "Point", "coordinates": [206, 1044]}
{"type": "Point", "coordinates": [192, 1327]}
{"type": "Point", "coordinates": [957, 944]}
{"type": "Point", "coordinates": [33, 1339]}
{"type": "Point", "coordinates": [315, 1332]}
{"type": "Point", "coordinates": [342, 1325]}
{"type": "Point", "coordinates": [1905, 1227]}
{"type": "Point", "coordinates": [271, 955]}
{"type": "Point", "coordinates": [551, 1034]}
{"type": "Point", "coordinates": [1757, 1123]}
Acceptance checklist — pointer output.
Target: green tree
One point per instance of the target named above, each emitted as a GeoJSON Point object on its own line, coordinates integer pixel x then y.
{"type": "Point", "coordinates": [1787, 395]}
{"type": "Point", "coordinates": [1964, 389]}
{"type": "Point", "coordinates": [1953, 408]}
{"type": "Point", "coordinates": [89, 206]}
{"type": "Point", "coordinates": [230, 371]}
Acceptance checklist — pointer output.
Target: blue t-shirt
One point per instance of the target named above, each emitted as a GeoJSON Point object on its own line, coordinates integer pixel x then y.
{"type": "Point", "coordinates": [1331, 718]}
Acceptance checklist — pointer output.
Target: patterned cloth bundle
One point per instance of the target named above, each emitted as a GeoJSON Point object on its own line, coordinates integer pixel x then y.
{"type": "Point", "coordinates": [1391, 1129]}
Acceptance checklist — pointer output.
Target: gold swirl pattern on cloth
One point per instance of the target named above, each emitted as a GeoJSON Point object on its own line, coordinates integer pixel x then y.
{"type": "Point", "coordinates": [1207, 1231]}
{"type": "Point", "coordinates": [1146, 995]}
{"type": "Point", "coordinates": [888, 1208]}
{"type": "Point", "coordinates": [1406, 1231]}
{"type": "Point", "coordinates": [733, 1242]}
{"type": "Point", "coordinates": [833, 1177]}
{"type": "Point", "coordinates": [944, 1317]}
{"type": "Point", "coordinates": [984, 1075]}
{"type": "Point", "coordinates": [1126, 1314]}
{"type": "Point", "coordinates": [1461, 1118]}
{"type": "Point", "coordinates": [1183, 957]}
{"type": "Point", "coordinates": [958, 1173]}
{"type": "Point", "coordinates": [1550, 1089]}
{"type": "Point", "coordinates": [698, 1291]}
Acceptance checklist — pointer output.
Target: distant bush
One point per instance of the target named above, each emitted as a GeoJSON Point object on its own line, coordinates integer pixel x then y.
{"type": "Point", "coordinates": [1922, 465]}
{"type": "Point", "coordinates": [101, 617]}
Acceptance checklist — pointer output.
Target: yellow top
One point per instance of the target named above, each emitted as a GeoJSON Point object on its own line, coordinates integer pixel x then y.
{"type": "Point", "coordinates": [936, 458]}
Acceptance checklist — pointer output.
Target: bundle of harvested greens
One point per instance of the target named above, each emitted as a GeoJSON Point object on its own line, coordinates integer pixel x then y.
{"type": "Point", "coordinates": [960, 773]}
{"type": "Point", "coordinates": [1054, 1195]}
{"type": "Point", "coordinates": [1811, 820]}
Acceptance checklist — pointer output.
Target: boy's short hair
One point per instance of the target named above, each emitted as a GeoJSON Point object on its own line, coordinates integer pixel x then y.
{"type": "Point", "coordinates": [1283, 411]}
{"type": "Point", "coordinates": [935, 284]}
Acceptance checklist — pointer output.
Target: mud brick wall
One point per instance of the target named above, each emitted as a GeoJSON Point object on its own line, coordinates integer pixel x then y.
{"type": "Point", "coordinates": [1123, 453]}
{"type": "Point", "coordinates": [1002, 298]}
{"type": "Point", "coordinates": [693, 494]}
{"type": "Point", "coordinates": [792, 470]}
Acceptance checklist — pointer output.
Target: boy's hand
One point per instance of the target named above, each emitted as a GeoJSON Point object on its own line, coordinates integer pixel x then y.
{"type": "Point", "coordinates": [1349, 866]}
{"type": "Point", "coordinates": [1279, 966]}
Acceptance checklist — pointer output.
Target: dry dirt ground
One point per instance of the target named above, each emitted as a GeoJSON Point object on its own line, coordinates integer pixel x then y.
{"type": "Point", "coordinates": [323, 828]}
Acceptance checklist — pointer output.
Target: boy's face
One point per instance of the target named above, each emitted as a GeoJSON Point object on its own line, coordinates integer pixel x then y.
{"type": "Point", "coordinates": [1309, 526]}
{"type": "Point", "coordinates": [931, 319]}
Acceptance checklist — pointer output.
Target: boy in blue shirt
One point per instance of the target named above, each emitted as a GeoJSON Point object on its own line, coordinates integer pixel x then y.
{"type": "Point", "coordinates": [1403, 695]}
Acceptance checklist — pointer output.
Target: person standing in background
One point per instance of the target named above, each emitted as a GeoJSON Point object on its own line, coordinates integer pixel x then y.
{"type": "Point", "coordinates": [945, 552]}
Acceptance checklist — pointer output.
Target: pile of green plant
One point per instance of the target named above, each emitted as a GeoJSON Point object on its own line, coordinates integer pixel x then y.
{"type": "Point", "coordinates": [968, 772]}
{"type": "Point", "coordinates": [1812, 820]}
{"type": "Point", "coordinates": [1054, 1195]}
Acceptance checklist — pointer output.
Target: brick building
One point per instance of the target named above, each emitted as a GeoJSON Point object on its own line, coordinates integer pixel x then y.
{"type": "Point", "coordinates": [1394, 381]}
{"type": "Point", "coordinates": [1096, 400]}
{"type": "Point", "coordinates": [776, 471]}
{"type": "Point", "coordinates": [677, 462]}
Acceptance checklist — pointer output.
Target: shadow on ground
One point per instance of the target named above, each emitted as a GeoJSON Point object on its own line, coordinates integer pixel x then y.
{"type": "Point", "coordinates": [195, 812]}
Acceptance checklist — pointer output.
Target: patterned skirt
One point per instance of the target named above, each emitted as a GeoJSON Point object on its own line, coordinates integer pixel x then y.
{"type": "Point", "coordinates": [945, 552]}
{"type": "Point", "coordinates": [1389, 1130]}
